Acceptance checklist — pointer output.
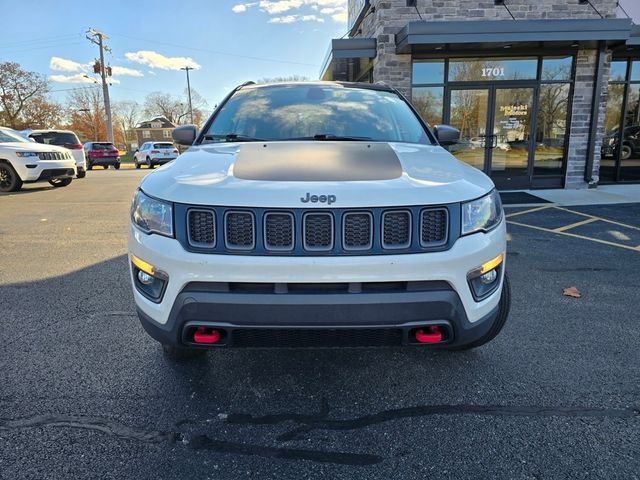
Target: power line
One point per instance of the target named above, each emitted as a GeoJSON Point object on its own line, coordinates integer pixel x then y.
{"type": "Point", "coordinates": [43, 47]}
{"type": "Point", "coordinates": [215, 52]}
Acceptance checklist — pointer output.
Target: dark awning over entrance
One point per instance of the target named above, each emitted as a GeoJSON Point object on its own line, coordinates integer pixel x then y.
{"type": "Point", "coordinates": [348, 58]}
{"type": "Point", "coordinates": [491, 34]}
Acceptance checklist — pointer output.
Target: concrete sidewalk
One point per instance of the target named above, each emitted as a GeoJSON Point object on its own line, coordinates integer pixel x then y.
{"type": "Point", "coordinates": [603, 195]}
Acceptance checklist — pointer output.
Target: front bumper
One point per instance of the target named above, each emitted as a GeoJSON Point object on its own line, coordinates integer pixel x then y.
{"type": "Point", "coordinates": [196, 290]}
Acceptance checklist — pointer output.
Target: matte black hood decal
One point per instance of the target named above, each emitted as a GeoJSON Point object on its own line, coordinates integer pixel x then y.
{"type": "Point", "coordinates": [319, 161]}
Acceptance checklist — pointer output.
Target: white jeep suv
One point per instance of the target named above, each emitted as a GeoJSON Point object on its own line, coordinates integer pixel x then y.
{"type": "Point", "coordinates": [317, 215]}
{"type": "Point", "coordinates": [25, 161]}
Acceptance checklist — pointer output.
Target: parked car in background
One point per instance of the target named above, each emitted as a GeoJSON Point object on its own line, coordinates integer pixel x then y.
{"type": "Point", "coordinates": [102, 154]}
{"type": "Point", "coordinates": [66, 139]}
{"type": "Point", "coordinates": [155, 153]}
{"type": "Point", "coordinates": [25, 161]}
{"type": "Point", "coordinates": [630, 142]}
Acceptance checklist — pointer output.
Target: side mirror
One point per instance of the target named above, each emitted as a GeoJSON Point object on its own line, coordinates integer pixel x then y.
{"type": "Point", "coordinates": [446, 134]}
{"type": "Point", "coordinates": [185, 135]}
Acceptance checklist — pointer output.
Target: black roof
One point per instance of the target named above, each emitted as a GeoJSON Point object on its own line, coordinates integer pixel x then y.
{"type": "Point", "coordinates": [164, 123]}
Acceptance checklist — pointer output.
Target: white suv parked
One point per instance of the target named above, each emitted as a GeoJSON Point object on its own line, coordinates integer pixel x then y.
{"type": "Point", "coordinates": [25, 161]}
{"type": "Point", "coordinates": [318, 215]}
{"type": "Point", "coordinates": [66, 139]}
{"type": "Point", "coordinates": [155, 153]}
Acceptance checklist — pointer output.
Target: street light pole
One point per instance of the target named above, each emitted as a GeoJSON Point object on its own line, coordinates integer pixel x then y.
{"type": "Point", "coordinates": [98, 38]}
{"type": "Point", "coordinates": [186, 69]}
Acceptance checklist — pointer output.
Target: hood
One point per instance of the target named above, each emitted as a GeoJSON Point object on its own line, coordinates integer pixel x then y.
{"type": "Point", "coordinates": [285, 174]}
{"type": "Point", "coordinates": [32, 147]}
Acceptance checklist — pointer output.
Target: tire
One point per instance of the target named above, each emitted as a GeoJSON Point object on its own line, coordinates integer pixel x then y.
{"type": "Point", "coordinates": [105, 166]}
{"type": "Point", "coordinates": [89, 166]}
{"type": "Point", "coordinates": [137, 164]}
{"type": "Point", "coordinates": [149, 163]}
{"type": "Point", "coordinates": [60, 182]}
{"type": "Point", "coordinates": [81, 174]}
{"type": "Point", "coordinates": [501, 319]}
{"type": "Point", "coordinates": [9, 179]}
{"type": "Point", "coordinates": [117, 166]}
{"type": "Point", "coordinates": [625, 152]}
{"type": "Point", "coordinates": [182, 353]}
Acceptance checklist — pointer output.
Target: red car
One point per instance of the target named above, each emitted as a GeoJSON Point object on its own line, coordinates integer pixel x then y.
{"type": "Point", "coordinates": [102, 154]}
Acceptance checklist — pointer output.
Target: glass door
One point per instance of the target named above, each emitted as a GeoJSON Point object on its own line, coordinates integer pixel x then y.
{"type": "Point", "coordinates": [511, 155]}
{"type": "Point", "coordinates": [469, 113]}
{"type": "Point", "coordinates": [495, 131]}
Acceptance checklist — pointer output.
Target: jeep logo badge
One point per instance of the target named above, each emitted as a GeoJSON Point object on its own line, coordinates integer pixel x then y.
{"type": "Point", "coordinates": [328, 199]}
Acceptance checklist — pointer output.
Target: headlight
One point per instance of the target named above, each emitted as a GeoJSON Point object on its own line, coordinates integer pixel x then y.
{"type": "Point", "coordinates": [481, 215]}
{"type": "Point", "coordinates": [27, 154]}
{"type": "Point", "coordinates": [152, 215]}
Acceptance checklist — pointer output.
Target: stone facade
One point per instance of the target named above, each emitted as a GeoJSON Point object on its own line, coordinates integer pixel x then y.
{"type": "Point", "coordinates": [390, 16]}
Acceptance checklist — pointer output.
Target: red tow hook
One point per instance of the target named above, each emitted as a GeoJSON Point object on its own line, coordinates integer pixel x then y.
{"type": "Point", "coordinates": [206, 335]}
{"type": "Point", "coordinates": [432, 335]}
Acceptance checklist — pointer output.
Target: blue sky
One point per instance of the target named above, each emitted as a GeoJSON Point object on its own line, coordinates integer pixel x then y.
{"type": "Point", "coordinates": [150, 40]}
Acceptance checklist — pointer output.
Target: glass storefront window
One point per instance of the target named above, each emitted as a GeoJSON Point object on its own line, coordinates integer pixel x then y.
{"type": "Point", "coordinates": [551, 129]}
{"type": "Point", "coordinates": [492, 69]}
{"type": "Point", "coordinates": [618, 72]}
{"type": "Point", "coordinates": [428, 71]}
{"type": "Point", "coordinates": [635, 70]}
{"type": "Point", "coordinates": [428, 102]}
{"type": "Point", "coordinates": [630, 148]}
{"type": "Point", "coordinates": [469, 109]}
{"type": "Point", "coordinates": [612, 117]}
{"type": "Point", "coordinates": [556, 68]}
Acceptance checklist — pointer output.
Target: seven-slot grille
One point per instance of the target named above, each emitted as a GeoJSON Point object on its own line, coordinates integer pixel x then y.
{"type": "Point", "coordinates": [402, 230]}
{"type": "Point", "coordinates": [53, 156]}
{"type": "Point", "coordinates": [201, 225]}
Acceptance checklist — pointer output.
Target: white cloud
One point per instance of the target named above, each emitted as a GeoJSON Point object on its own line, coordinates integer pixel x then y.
{"type": "Point", "coordinates": [151, 72]}
{"type": "Point", "coordinates": [279, 6]}
{"type": "Point", "coordinates": [64, 65]}
{"type": "Point", "coordinates": [296, 18]}
{"type": "Point", "coordinates": [240, 8]}
{"type": "Point", "coordinates": [157, 60]}
{"type": "Point", "coordinates": [78, 78]}
{"type": "Point", "coordinates": [130, 72]}
{"type": "Point", "coordinates": [340, 17]}
{"type": "Point", "coordinates": [285, 19]}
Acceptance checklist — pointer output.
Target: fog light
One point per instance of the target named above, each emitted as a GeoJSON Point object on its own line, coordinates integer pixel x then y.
{"type": "Point", "coordinates": [489, 277]}
{"type": "Point", "coordinates": [145, 278]}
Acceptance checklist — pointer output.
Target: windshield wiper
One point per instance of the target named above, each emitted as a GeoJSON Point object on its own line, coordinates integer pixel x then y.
{"type": "Point", "coordinates": [232, 137]}
{"type": "Point", "coordinates": [331, 136]}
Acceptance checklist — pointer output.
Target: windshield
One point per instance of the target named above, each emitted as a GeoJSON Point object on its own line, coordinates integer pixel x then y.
{"type": "Point", "coordinates": [315, 112]}
{"type": "Point", "coordinates": [102, 146]}
{"type": "Point", "coordinates": [7, 136]}
{"type": "Point", "coordinates": [56, 138]}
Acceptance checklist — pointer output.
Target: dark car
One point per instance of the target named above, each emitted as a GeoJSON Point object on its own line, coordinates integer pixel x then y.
{"type": "Point", "coordinates": [102, 154]}
{"type": "Point", "coordinates": [630, 143]}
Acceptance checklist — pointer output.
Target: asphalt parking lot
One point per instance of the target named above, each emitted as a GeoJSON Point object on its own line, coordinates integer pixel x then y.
{"type": "Point", "coordinates": [85, 393]}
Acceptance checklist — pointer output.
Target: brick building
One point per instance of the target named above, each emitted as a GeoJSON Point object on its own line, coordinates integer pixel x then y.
{"type": "Point", "coordinates": [546, 93]}
{"type": "Point", "coordinates": [159, 129]}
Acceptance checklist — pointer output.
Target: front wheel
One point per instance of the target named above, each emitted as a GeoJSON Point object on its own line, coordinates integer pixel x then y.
{"type": "Point", "coordinates": [81, 174]}
{"type": "Point", "coordinates": [117, 166]}
{"type": "Point", "coordinates": [105, 166]}
{"type": "Point", "coordinates": [625, 152]}
{"type": "Point", "coordinates": [498, 323]}
{"type": "Point", "coordinates": [9, 179]}
{"type": "Point", "coordinates": [60, 182]}
{"type": "Point", "coordinates": [89, 166]}
{"type": "Point", "coordinates": [182, 353]}
{"type": "Point", "coordinates": [137, 164]}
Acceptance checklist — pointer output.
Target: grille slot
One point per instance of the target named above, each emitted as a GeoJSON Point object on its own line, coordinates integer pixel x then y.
{"type": "Point", "coordinates": [396, 229]}
{"type": "Point", "coordinates": [433, 227]}
{"type": "Point", "coordinates": [318, 231]}
{"type": "Point", "coordinates": [239, 230]}
{"type": "Point", "coordinates": [357, 231]}
{"type": "Point", "coordinates": [316, 337]}
{"type": "Point", "coordinates": [278, 231]}
{"type": "Point", "coordinates": [201, 228]}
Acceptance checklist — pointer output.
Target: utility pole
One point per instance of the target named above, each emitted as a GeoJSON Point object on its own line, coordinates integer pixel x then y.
{"type": "Point", "coordinates": [189, 91]}
{"type": "Point", "coordinates": [98, 38]}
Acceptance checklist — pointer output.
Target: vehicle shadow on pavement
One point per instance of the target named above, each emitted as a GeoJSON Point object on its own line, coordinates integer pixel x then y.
{"type": "Point", "coordinates": [27, 189]}
{"type": "Point", "coordinates": [73, 347]}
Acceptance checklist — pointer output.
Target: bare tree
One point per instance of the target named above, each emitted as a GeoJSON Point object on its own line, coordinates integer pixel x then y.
{"type": "Point", "coordinates": [85, 113]}
{"type": "Point", "coordinates": [127, 115]}
{"type": "Point", "coordinates": [175, 109]}
{"type": "Point", "coordinates": [18, 89]}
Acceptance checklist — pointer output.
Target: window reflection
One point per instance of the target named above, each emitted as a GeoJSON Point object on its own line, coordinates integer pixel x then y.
{"type": "Point", "coordinates": [612, 117]}
{"type": "Point", "coordinates": [428, 102]}
{"type": "Point", "coordinates": [551, 129]}
{"type": "Point", "coordinates": [289, 112]}
{"type": "Point", "coordinates": [630, 148]}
